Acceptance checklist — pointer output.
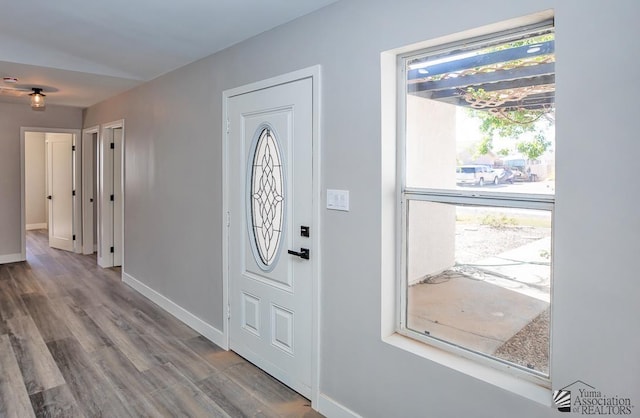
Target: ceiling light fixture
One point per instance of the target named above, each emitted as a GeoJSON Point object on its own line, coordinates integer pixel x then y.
{"type": "Point", "coordinates": [37, 99]}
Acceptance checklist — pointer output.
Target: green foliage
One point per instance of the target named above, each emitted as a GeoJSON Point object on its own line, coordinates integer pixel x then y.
{"type": "Point", "coordinates": [511, 124]}
{"type": "Point", "coordinates": [515, 123]}
{"type": "Point", "coordinates": [535, 148]}
{"type": "Point", "coordinates": [485, 146]}
{"type": "Point", "coordinates": [504, 152]}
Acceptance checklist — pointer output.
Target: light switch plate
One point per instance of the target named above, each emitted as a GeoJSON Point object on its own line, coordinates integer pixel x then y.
{"type": "Point", "coordinates": [338, 199]}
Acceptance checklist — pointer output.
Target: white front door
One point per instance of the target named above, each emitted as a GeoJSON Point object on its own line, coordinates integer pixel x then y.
{"type": "Point", "coordinates": [60, 190]}
{"type": "Point", "coordinates": [270, 181]}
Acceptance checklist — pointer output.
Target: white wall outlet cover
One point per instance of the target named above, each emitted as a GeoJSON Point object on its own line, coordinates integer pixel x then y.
{"type": "Point", "coordinates": [338, 199]}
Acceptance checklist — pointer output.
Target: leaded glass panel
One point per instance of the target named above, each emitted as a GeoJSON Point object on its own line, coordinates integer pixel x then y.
{"type": "Point", "coordinates": [266, 193]}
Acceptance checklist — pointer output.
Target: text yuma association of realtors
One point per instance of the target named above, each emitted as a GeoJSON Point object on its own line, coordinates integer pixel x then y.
{"type": "Point", "coordinates": [592, 402]}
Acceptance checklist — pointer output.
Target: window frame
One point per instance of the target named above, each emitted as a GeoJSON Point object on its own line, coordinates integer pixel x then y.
{"type": "Point", "coordinates": [545, 202]}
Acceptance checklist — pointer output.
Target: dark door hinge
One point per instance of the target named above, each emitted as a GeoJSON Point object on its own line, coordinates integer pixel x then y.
{"type": "Point", "coordinates": [111, 198]}
{"type": "Point", "coordinates": [111, 249]}
{"type": "Point", "coordinates": [73, 147]}
{"type": "Point", "coordinates": [73, 193]}
{"type": "Point", "coordinates": [113, 145]}
{"type": "Point", "coordinates": [74, 237]}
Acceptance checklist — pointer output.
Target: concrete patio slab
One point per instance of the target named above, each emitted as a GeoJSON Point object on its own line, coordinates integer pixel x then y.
{"type": "Point", "coordinates": [477, 314]}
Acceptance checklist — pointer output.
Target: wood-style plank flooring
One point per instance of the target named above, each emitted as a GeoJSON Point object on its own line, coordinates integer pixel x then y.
{"type": "Point", "coordinates": [77, 342]}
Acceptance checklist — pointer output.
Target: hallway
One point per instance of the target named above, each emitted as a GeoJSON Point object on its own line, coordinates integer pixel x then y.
{"type": "Point", "coordinates": [75, 341]}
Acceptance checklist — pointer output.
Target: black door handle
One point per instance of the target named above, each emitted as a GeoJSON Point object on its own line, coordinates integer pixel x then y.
{"type": "Point", "coordinates": [304, 253]}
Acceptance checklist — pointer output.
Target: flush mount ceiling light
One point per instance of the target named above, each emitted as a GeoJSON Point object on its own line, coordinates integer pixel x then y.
{"type": "Point", "coordinates": [37, 99]}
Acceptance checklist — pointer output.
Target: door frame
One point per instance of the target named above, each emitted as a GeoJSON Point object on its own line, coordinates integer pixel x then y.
{"type": "Point", "coordinates": [77, 221]}
{"type": "Point", "coordinates": [89, 177]}
{"type": "Point", "coordinates": [313, 73]}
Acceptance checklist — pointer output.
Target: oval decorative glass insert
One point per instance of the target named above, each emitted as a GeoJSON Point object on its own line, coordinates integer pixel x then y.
{"type": "Point", "coordinates": [266, 193]}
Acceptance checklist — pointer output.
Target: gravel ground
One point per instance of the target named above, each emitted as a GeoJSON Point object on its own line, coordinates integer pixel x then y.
{"type": "Point", "coordinates": [530, 346]}
{"type": "Point", "coordinates": [476, 242]}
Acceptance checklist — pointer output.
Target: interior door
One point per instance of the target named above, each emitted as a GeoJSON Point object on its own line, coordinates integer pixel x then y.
{"type": "Point", "coordinates": [117, 192]}
{"type": "Point", "coordinates": [111, 197]}
{"type": "Point", "coordinates": [270, 211]}
{"type": "Point", "coordinates": [89, 149]}
{"type": "Point", "coordinates": [60, 190]}
{"type": "Point", "coordinates": [105, 199]}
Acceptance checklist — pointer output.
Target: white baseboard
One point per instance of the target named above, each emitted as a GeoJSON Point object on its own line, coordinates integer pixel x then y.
{"type": "Point", "coordinates": [30, 227]}
{"type": "Point", "coordinates": [332, 409]}
{"type": "Point", "coordinates": [212, 334]}
{"type": "Point", "coordinates": [10, 258]}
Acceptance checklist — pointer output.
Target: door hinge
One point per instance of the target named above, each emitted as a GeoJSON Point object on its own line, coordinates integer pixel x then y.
{"type": "Point", "coordinates": [111, 198]}
{"type": "Point", "coordinates": [73, 147]}
{"type": "Point", "coordinates": [228, 126]}
{"type": "Point", "coordinates": [111, 250]}
{"type": "Point", "coordinates": [228, 312]}
{"type": "Point", "coordinates": [74, 237]}
{"type": "Point", "coordinates": [228, 219]}
{"type": "Point", "coordinates": [112, 145]}
{"type": "Point", "coordinates": [73, 193]}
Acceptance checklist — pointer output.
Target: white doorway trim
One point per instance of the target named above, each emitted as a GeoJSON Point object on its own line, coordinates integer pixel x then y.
{"type": "Point", "coordinates": [76, 203]}
{"type": "Point", "coordinates": [314, 74]}
{"type": "Point", "coordinates": [89, 146]}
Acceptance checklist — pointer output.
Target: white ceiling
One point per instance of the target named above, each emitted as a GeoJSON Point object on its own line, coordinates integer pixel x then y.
{"type": "Point", "coordinates": [82, 52]}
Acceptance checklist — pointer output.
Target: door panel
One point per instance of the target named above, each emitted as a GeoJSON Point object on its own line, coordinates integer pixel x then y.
{"type": "Point", "coordinates": [105, 208]}
{"type": "Point", "coordinates": [60, 190]}
{"type": "Point", "coordinates": [118, 201]}
{"type": "Point", "coordinates": [111, 197]}
{"type": "Point", "coordinates": [270, 183]}
{"type": "Point", "coordinates": [89, 164]}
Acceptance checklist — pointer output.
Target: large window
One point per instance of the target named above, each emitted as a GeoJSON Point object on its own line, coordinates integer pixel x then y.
{"type": "Point", "coordinates": [477, 191]}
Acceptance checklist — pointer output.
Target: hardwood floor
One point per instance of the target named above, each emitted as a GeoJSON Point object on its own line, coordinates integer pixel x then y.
{"type": "Point", "coordinates": [77, 342]}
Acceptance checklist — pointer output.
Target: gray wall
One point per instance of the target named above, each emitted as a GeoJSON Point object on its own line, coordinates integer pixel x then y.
{"type": "Point", "coordinates": [12, 118]}
{"type": "Point", "coordinates": [35, 202]}
{"type": "Point", "coordinates": [174, 195]}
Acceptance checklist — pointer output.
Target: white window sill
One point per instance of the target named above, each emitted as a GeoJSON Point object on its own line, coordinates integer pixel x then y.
{"type": "Point", "coordinates": [499, 378]}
